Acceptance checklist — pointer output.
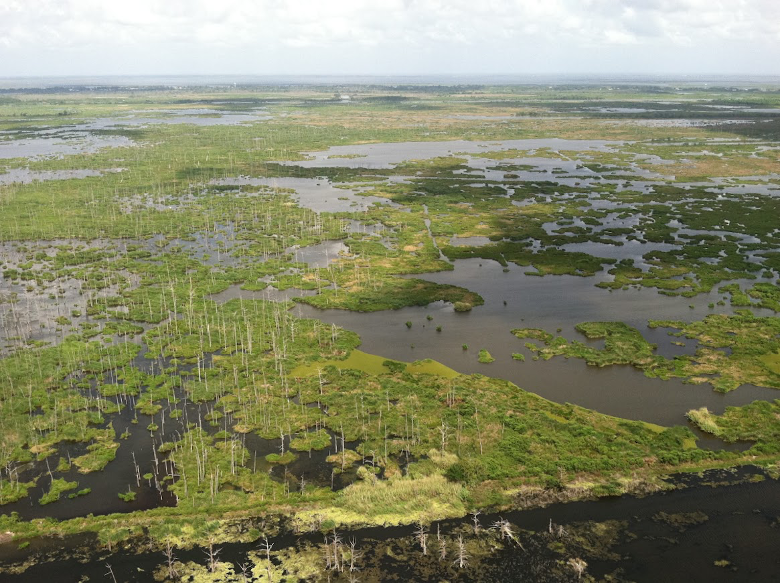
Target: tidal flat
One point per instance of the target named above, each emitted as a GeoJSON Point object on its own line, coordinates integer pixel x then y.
{"type": "Point", "coordinates": [504, 334]}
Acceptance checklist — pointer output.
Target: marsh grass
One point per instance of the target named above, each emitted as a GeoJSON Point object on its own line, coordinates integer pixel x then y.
{"type": "Point", "coordinates": [149, 242]}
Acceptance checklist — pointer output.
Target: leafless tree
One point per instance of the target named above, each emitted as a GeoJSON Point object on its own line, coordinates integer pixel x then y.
{"type": "Point", "coordinates": [556, 530]}
{"type": "Point", "coordinates": [442, 549]}
{"type": "Point", "coordinates": [266, 547]}
{"type": "Point", "coordinates": [579, 566]}
{"type": "Point", "coordinates": [354, 555]}
{"type": "Point", "coordinates": [245, 571]}
{"type": "Point", "coordinates": [461, 558]}
{"type": "Point", "coordinates": [422, 537]}
{"type": "Point", "coordinates": [171, 560]}
{"type": "Point", "coordinates": [504, 529]}
{"type": "Point", "coordinates": [336, 541]}
{"type": "Point", "coordinates": [475, 521]}
{"type": "Point", "coordinates": [328, 561]}
{"type": "Point", "coordinates": [213, 556]}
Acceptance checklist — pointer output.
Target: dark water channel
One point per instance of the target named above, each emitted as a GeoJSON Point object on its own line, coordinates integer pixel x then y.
{"type": "Point", "coordinates": [736, 526]}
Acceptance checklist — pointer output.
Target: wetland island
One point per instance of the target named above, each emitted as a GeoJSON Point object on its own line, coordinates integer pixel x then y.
{"type": "Point", "coordinates": [366, 332]}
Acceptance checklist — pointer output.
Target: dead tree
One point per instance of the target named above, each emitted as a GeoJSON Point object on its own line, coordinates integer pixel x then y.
{"type": "Point", "coordinates": [475, 521]}
{"type": "Point", "coordinates": [422, 537]}
{"type": "Point", "coordinates": [578, 565]}
{"type": "Point", "coordinates": [462, 557]}
{"type": "Point", "coordinates": [354, 555]}
{"type": "Point", "coordinates": [556, 530]}
{"type": "Point", "coordinates": [505, 531]}
{"type": "Point", "coordinates": [337, 563]}
{"type": "Point", "coordinates": [213, 556]}
{"type": "Point", "coordinates": [171, 560]}
{"type": "Point", "coordinates": [245, 571]}
{"type": "Point", "coordinates": [442, 549]}
{"type": "Point", "coordinates": [266, 547]}
{"type": "Point", "coordinates": [111, 572]}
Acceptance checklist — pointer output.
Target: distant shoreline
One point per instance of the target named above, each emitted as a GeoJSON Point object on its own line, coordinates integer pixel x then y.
{"type": "Point", "coordinates": [92, 82]}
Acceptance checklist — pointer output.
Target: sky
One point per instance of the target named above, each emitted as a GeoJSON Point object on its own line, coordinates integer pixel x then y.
{"type": "Point", "coordinates": [388, 37]}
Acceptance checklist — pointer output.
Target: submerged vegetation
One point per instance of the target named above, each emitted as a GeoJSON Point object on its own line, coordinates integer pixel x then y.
{"type": "Point", "coordinates": [153, 370]}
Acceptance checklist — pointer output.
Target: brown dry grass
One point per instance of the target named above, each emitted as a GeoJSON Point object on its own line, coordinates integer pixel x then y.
{"type": "Point", "coordinates": [711, 166]}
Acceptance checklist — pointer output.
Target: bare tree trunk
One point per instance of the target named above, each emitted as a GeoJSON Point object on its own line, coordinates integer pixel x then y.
{"type": "Point", "coordinates": [422, 537]}
{"type": "Point", "coordinates": [171, 559]}
{"type": "Point", "coordinates": [475, 521]}
{"type": "Point", "coordinates": [111, 571]}
{"type": "Point", "coordinates": [462, 557]}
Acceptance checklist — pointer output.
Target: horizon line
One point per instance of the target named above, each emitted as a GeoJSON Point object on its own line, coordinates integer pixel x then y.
{"type": "Point", "coordinates": [381, 78]}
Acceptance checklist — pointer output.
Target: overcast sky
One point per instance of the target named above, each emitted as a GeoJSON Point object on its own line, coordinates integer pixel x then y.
{"type": "Point", "coordinates": [386, 37]}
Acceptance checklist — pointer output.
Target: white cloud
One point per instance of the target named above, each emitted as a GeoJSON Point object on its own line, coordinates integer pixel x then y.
{"type": "Point", "coordinates": [352, 35]}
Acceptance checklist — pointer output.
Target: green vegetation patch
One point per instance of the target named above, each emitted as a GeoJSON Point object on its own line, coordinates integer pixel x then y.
{"type": "Point", "coordinates": [375, 365]}
{"type": "Point", "coordinates": [401, 500]}
{"type": "Point", "coordinates": [732, 350]}
{"type": "Point", "coordinates": [43, 404]}
{"type": "Point", "coordinates": [772, 362]}
{"type": "Point", "coordinates": [758, 422]}
{"type": "Point", "coordinates": [391, 293]}
{"type": "Point", "coordinates": [57, 487]}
